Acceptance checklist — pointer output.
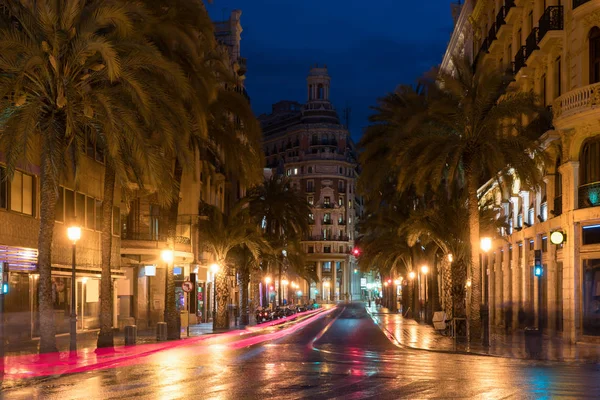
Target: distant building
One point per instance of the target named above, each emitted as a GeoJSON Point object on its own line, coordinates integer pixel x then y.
{"type": "Point", "coordinates": [308, 144]}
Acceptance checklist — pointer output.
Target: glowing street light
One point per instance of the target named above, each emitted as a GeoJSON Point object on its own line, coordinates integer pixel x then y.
{"type": "Point", "coordinates": [167, 255]}
{"type": "Point", "coordinates": [486, 244]}
{"type": "Point", "coordinates": [385, 283]}
{"type": "Point", "coordinates": [411, 275]}
{"type": "Point", "coordinates": [397, 282]}
{"type": "Point", "coordinates": [425, 269]}
{"type": "Point", "coordinates": [74, 234]}
{"type": "Point", "coordinates": [469, 283]}
{"type": "Point", "coordinates": [214, 268]}
{"type": "Point", "coordinates": [268, 280]}
{"type": "Point", "coordinates": [450, 257]}
{"type": "Point", "coordinates": [285, 282]}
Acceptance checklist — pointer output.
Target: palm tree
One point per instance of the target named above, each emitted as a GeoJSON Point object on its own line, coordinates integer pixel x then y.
{"type": "Point", "coordinates": [221, 234]}
{"type": "Point", "coordinates": [61, 66]}
{"type": "Point", "coordinates": [469, 131]}
{"type": "Point", "coordinates": [284, 215]}
{"type": "Point", "coordinates": [183, 32]}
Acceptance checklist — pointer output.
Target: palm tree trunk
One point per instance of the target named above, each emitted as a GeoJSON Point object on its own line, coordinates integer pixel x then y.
{"type": "Point", "coordinates": [222, 318]}
{"type": "Point", "coordinates": [446, 271]}
{"type": "Point", "coordinates": [171, 315]}
{"type": "Point", "coordinates": [105, 337]}
{"type": "Point", "coordinates": [279, 292]}
{"type": "Point", "coordinates": [48, 198]}
{"type": "Point", "coordinates": [244, 280]}
{"type": "Point", "coordinates": [476, 289]}
{"type": "Point", "coordinates": [254, 292]}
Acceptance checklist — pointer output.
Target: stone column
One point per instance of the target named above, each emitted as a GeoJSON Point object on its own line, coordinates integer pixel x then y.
{"type": "Point", "coordinates": [333, 280]}
{"type": "Point", "coordinates": [319, 285]}
{"type": "Point", "coordinates": [570, 178]}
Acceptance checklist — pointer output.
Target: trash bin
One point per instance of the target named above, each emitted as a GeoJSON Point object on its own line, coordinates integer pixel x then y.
{"type": "Point", "coordinates": [533, 341]}
{"type": "Point", "coordinates": [130, 335]}
{"type": "Point", "coordinates": [161, 331]}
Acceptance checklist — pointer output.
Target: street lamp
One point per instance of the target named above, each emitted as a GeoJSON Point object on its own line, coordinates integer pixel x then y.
{"type": "Point", "coordinates": [167, 255]}
{"type": "Point", "coordinates": [450, 257]}
{"type": "Point", "coordinates": [74, 234]}
{"type": "Point", "coordinates": [214, 268]}
{"type": "Point", "coordinates": [484, 312]}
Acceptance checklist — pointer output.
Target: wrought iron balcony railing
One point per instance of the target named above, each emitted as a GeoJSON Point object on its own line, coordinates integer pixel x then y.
{"type": "Point", "coordinates": [589, 195]}
{"type": "Point", "coordinates": [531, 44]}
{"type": "Point", "coordinates": [339, 238]}
{"type": "Point", "coordinates": [520, 59]}
{"type": "Point", "coordinates": [552, 20]}
{"type": "Point", "coordinates": [577, 3]}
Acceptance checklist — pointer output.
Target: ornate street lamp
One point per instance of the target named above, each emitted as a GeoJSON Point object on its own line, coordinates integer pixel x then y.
{"type": "Point", "coordinates": [74, 234]}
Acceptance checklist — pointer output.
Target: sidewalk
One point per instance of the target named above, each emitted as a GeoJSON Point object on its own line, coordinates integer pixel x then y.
{"type": "Point", "coordinates": [409, 333]}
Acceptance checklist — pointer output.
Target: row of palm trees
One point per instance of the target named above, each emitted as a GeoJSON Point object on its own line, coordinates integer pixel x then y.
{"type": "Point", "coordinates": [260, 235]}
{"type": "Point", "coordinates": [145, 80]}
{"type": "Point", "coordinates": [428, 150]}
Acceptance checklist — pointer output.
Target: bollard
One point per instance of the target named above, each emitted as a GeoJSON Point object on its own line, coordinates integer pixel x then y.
{"type": "Point", "coordinates": [161, 331]}
{"type": "Point", "coordinates": [130, 335]}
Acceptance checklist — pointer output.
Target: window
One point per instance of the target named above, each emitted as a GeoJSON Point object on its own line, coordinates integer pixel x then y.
{"type": "Point", "coordinates": [311, 249]}
{"type": "Point", "coordinates": [60, 206]}
{"type": "Point", "coordinates": [327, 266]}
{"type": "Point", "coordinates": [341, 170]}
{"type": "Point", "coordinates": [327, 218]}
{"type": "Point", "coordinates": [543, 90]}
{"type": "Point", "coordinates": [295, 171]}
{"type": "Point", "coordinates": [349, 203]}
{"type": "Point", "coordinates": [116, 227]}
{"type": "Point", "coordinates": [3, 188]}
{"type": "Point", "coordinates": [90, 218]}
{"type": "Point", "coordinates": [544, 244]}
{"type": "Point", "coordinates": [21, 193]}
{"type": "Point", "coordinates": [327, 200]}
{"type": "Point", "coordinates": [341, 201]}
{"type": "Point", "coordinates": [520, 250]}
{"type": "Point", "coordinates": [310, 170]}
{"type": "Point", "coordinates": [99, 219]}
{"type": "Point", "coordinates": [289, 172]}
{"type": "Point", "coordinates": [531, 244]}
{"type": "Point", "coordinates": [320, 91]}
{"type": "Point", "coordinates": [591, 234]}
{"type": "Point", "coordinates": [311, 200]}
{"type": "Point", "coordinates": [590, 162]}
{"type": "Point", "coordinates": [80, 208]}
{"type": "Point", "coordinates": [557, 78]}
{"type": "Point", "coordinates": [94, 148]}
{"type": "Point", "coordinates": [594, 37]}
{"type": "Point", "coordinates": [520, 221]}
{"type": "Point", "coordinates": [544, 211]}
{"type": "Point", "coordinates": [69, 205]}
{"type": "Point", "coordinates": [311, 218]}
{"type": "Point", "coordinates": [341, 186]}
{"type": "Point", "coordinates": [327, 249]}
{"type": "Point", "coordinates": [310, 186]}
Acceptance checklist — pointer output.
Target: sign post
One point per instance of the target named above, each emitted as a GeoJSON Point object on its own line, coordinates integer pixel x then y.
{"type": "Point", "coordinates": [187, 287]}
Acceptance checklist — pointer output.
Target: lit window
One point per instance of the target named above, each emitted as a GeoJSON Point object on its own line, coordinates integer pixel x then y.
{"type": "Point", "coordinates": [289, 172]}
{"type": "Point", "coordinates": [22, 193]}
{"type": "Point", "coordinates": [311, 200]}
{"type": "Point", "coordinates": [531, 216]}
{"type": "Point", "coordinates": [327, 200]}
{"type": "Point", "coordinates": [295, 171]}
{"type": "Point", "coordinates": [544, 211]}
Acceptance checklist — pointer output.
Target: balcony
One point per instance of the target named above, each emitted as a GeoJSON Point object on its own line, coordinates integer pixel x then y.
{"type": "Point", "coordinates": [327, 205]}
{"type": "Point", "coordinates": [577, 3]}
{"type": "Point", "coordinates": [552, 20]}
{"type": "Point", "coordinates": [576, 102]}
{"type": "Point", "coordinates": [154, 229]}
{"type": "Point", "coordinates": [589, 195]}
{"type": "Point", "coordinates": [310, 189]}
{"type": "Point", "coordinates": [531, 43]}
{"type": "Point", "coordinates": [327, 222]}
{"type": "Point", "coordinates": [321, 238]}
{"type": "Point", "coordinates": [341, 222]}
{"type": "Point", "coordinates": [520, 59]}
{"type": "Point", "coordinates": [557, 206]}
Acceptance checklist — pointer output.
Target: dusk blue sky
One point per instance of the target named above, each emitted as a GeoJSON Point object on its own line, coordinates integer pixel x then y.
{"type": "Point", "coordinates": [370, 47]}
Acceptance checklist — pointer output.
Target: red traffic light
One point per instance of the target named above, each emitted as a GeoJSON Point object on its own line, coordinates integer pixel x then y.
{"type": "Point", "coordinates": [356, 252]}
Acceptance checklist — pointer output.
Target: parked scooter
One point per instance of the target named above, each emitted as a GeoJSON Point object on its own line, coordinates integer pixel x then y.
{"type": "Point", "coordinates": [263, 315]}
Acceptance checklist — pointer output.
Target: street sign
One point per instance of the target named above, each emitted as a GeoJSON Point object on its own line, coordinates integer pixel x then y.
{"type": "Point", "coordinates": [187, 286]}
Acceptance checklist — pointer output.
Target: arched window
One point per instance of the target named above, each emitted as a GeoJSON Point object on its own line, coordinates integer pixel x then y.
{"type": "Point", "coordinates": [310, 92]}
{"type": "Point", "coordinates": [594, 38]}
{"type": "Point", "coordinates": [589, 162]}
{"type": "Point", "coordinates": [320, 91]}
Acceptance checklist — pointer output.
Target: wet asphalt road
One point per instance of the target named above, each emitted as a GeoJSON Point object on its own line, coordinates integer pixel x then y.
{"type": "Point", "coordinates": [341, 355]}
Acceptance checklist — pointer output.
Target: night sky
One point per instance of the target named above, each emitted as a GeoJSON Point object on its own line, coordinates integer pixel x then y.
{"type": "Point", "coordinates": [369, 46]}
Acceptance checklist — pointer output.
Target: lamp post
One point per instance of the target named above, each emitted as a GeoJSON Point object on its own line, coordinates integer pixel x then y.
{"type": "Point", "coordinates": [411, 276]}
{"type": "Point", "coordinates": [214, 268]}
{"type": "Point", "coordinates": [284, 294]}
{"type": "Point", "coordinates": [486, 246]}
{"type": "Point", "coordinates": [74, 234]}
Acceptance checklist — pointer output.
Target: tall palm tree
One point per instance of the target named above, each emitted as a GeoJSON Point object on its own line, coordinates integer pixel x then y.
{"type": "Point", "coordinates": [61, 65]}
{"type": "Point", "coordinates": [221, 234]}
{"type": "Point", "coordinates": [469, 131]}
{"type": "Point", "coordinates": [184, 33]}
{"type": "Point", "coordinates": [284, 215]}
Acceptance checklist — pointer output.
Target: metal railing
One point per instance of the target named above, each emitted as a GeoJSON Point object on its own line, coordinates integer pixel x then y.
{"type": "Point", "coordinates": [589, 195]}
{"type": "Point", "coordinates": [552, 20]}
{"type": "Point", "coordinates": [531, 43]}
{"type": "Point", "coordinates": [520, 59]}
{"type": "Point", "coordinates": [577, 3]}
{"type": "Point", "coordinates": [321, 238]}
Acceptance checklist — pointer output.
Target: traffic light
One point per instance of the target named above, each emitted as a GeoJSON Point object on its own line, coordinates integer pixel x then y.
{"type": "Point", "coordinates": [356, 252]}
{"type": "Point", "coordinates": [355, 270]}
{"type": "Point", "coordinates": [537, 268]}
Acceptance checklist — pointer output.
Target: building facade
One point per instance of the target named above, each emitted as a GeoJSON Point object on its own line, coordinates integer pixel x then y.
{"type": "Point", "coordinates": [551, 47]}
{"type": "Point", "coordinates": [308, 144]}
